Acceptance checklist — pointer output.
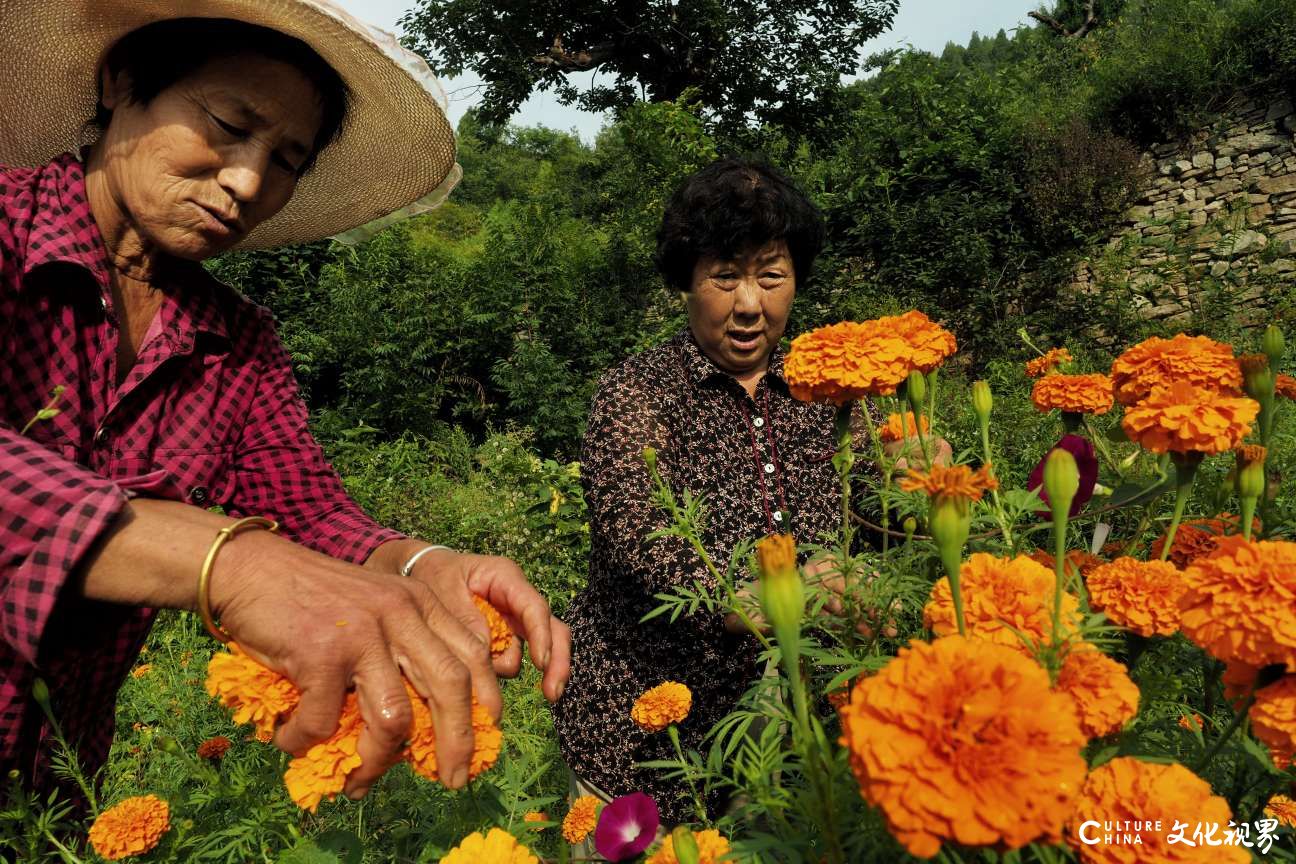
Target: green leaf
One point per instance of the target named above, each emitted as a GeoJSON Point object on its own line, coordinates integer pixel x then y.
{"type": "Point", "coordinates": [331, 847]}
{"type": "Point", "coordinates": [1129, 493]}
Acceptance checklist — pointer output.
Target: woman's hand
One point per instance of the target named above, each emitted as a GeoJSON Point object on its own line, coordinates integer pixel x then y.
{"type": "Point", "coordinates": [329, 625]}
{"type": "Point", "coordinates": [909, 453]}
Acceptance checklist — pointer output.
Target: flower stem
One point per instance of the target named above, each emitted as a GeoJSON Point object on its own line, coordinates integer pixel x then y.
{"type": "Point", "coordinates": [1238, 717]}
{"type": "Point", "coordinates": [1000, 515]}
{"type": "Point", "coordinates": [1185, 470]}
{"type": "Point", "coordinates": [699, 806]}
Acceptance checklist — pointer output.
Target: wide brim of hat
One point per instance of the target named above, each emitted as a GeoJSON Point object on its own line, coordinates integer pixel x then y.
{"type": "Point", "coordinates": [396, 146]}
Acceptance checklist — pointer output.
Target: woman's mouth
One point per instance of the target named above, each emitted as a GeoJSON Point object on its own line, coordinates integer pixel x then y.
{"type": "Point", "coordinates": [744, 340]}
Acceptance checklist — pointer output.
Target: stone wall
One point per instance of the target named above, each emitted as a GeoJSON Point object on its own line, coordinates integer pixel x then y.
{"type": "Point", "coordinates": [1216, 217]}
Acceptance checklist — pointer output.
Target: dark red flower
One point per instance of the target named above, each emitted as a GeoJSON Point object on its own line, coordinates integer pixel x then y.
{"type": "Point", "coordinates": [627, 826]}
{"type": "Point", "coordinates": [1086, 460]}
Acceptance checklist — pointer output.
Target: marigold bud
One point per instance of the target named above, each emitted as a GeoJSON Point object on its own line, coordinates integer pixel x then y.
{"type": "Point", "coordinates": [40, 692]}
{"type": "Point", "coordinates": [1061, 479]}
{"type": "Point", "coordinates": [982, 400]}
{"type": "Point", "coordinates": [916, 388]}
{"type": "Point", "coordinates": [1250, 471]}
{"type": "Point", "coordinates": [782, 595]}
{"type": "Point", "coordinates": [1257, 378]}
{"type": "Point", "coordinates": [686, 847]}
{"type": "Point", "coordinates": [168, 744]}
{"type": "Point", "coordinates": [650, 458]}
{"type": "Point", "coordinates": [1272, 344]}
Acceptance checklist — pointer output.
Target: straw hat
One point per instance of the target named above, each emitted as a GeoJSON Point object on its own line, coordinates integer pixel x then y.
{"type": "Point", "coordinates": [396, 151]}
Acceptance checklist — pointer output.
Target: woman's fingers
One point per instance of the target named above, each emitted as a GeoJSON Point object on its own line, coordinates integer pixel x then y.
{"type": "Point", "coordinates": [439, 623]}
{"type": "Point", "coordinates": [558, 670]}
{"type": "Point", "coordinates": [387, 715]}
{"type": "Point", "coordinates": [317, 712]}
{"type": "Point", "coordinates": [502, 583]}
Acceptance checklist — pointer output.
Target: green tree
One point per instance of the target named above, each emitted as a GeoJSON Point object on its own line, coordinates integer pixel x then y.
{"type": "Point", "coordinates": [745, 58]}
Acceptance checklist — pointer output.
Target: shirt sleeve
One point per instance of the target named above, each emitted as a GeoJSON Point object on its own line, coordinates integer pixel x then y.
{"type": "Point", "coordinates": [624, 419]}
{"type": "Point", "coordinates": [281, 472]}
{"type": "Point", "coordinates": [51, 512]}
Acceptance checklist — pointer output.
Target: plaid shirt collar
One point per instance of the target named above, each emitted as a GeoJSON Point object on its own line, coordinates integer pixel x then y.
{"type": "Point", "coordinates": [70, 235]}
{"type": "Point", "coordinates": [700, 367]}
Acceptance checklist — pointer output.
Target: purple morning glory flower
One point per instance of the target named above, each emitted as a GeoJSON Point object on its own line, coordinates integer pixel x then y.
{"type": "Point", "coordinates": [627, 826]}
{"type": "Point", "coordinates": [1086, 460]}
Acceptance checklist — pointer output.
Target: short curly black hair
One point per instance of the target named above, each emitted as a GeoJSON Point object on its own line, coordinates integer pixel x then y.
{"type": "Point", "coordinates": [731, 206]}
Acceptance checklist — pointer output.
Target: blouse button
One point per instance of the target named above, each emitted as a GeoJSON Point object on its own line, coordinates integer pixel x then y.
{"type": "Point", "coordinates": [769, 467]}
{"type": "Point", "coordinates": [778, 515]}
{"type": "Point", "coordinates": [758, 422]}
{"type": "Point", "coordinates": [198, 495]}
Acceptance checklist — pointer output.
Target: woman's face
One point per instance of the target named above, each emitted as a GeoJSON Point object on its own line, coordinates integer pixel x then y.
{"type": "Point", "coordinates": [738, 307]}
{"type": "Point", "coordinates": [210, 157]}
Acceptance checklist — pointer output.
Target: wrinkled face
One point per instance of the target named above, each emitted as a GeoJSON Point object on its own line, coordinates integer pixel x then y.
{"type": "Point", "coordinates": [213, 155]}
{"type": "Point", "coordinates": [738, 308]}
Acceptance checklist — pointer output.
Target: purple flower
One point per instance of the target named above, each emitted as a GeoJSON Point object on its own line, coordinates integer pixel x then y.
{"type": "Point", "coordinates": [627, 826]}
{"type": "Point", "coordinates": [1086, 460]}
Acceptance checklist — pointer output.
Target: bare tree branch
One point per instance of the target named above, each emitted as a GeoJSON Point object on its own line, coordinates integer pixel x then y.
{"type": "Point", "coordinates": [575, 61]}
{"type": "Point", "coordinates": [1056, 26]}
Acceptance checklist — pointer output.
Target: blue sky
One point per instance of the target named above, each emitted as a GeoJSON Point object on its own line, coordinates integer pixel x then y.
{"type": "Point", "coordinates": [925, 24]}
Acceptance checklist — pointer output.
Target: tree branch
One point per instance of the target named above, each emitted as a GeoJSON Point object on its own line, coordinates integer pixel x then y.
{"type": "Point", "coordinates": [575, 61]}
{"type": "Point", "coordinates": [1056, 26]}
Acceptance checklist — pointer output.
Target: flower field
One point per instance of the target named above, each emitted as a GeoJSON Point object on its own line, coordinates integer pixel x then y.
{"type": "Point", "coordinates": [1075, 643]}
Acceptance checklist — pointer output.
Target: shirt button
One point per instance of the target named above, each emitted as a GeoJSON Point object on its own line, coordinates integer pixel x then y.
{"type": "Point", "coordinates": [758, 422]}
{"type": "Point", "coordinates": [198, 495]}
{"type": "Point", "coordinates": [778, 515]}
{"type": "Point", "coordinates": [101, 434]}
{"type": "Point", "coordinates": [769, 467]}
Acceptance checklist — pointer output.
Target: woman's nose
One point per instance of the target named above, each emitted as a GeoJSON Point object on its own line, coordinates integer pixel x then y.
{"type": "Point", "coordinates": [747, 297]}
{"type": "Point", "coordinates": [244, 173]}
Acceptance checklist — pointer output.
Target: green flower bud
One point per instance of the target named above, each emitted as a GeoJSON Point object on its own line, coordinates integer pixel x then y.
{"type": "Point", "coordinates": [1273, 346]}
{"type": "Point", "coordinates": [982, 400]}
{"type": "Point", "coordinates": [40, 692]}
{"type": "Point", "coordinates": [168, 744]}
{"type": "Point", "coordinates": [910, 526]}
{"type": "Point", "coordinates": [950, 521]}
{"type": "Point", "coordinates": [1061, 480]}
{"type": "Point", "coordinates": [782, 595]}
{"type": "Point", "coordinates": [686, 848]}
{"type": "Point", "coordinates": [1257, 377]}
{"type": "Point", "coordinates": [650, 458]}
{"type": "Point", "coordinates": [1250, 471]}
{"type": "Point", "coordinates": [916, 388]}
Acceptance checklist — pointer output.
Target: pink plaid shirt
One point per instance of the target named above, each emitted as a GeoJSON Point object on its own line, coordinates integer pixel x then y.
{"type": "Point", "coordinates": [209, 414]}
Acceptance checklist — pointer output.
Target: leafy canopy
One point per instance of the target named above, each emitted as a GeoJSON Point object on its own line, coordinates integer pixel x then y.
{"type": "Point", "coordinates": [747, 59]}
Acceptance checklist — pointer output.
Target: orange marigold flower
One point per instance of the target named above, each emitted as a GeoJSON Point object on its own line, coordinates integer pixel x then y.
{"type": "Point", "coordinates": [929, 343]}
{"type": "Point", "coordinates": [1252, 363]}
{"type": "Point", "coordinates": [1156, 362]}
{"type": "Point", "coordinates": [421, 753]}
{"type": "Point", "coordinates": [1283, 809]}
{"type": "Point", "coordinates": [580, 819]}
{"type": "Point", "coordinates": [953, 481]}
{"type": "Point", "coordinates": [661, 706]}
{"type": "Point", "coordinates": [1074, 394]}
{"type": "Point", "coordinates": [839, 698]}
{"type": "Point", "coordinates": [1250, 454]}
{"type": "Point", "coordinates": [496, 846]}
{"type": "Point", "coordinates": [1104, 697]}
{"type": "Point", "coordinates": [1285, 386]}
{"type": "Point", "coordinates": [1240, 602]}
{"type": "Point", "coordinates": [1078, 560]}
{"type": "Point", "coordinates": [1183, 418]}
{"type": "Point", "coordinates": [962, 740]}
{"type": "Point", "coordinates": [1192, 721]}
{"type": "Point", "coordinates": [713, 848]}
{"type": "Point", "coordinates": [214, 748]}
{"type": "Point", "coordinates": [1273, 718]}
{"type": "Point", "coordinates": [1142, 596]}
{"type": "Point", "coordinates": [130, 827]}
{"type": "Point", "coordinates": [322, 772]}
{"type": "Point", "coordinates": [258, 695]}
{"type": "Point", "coordinates": [1126, 791]}
{"type": "Point", "coordinates": [536, 816]}
{"type": "Point", "coordinates": [1198, 537]}
{"type": "Point", "coordinates": [501, 635]}
{"type": "Point", "coordinates": [900, 427]}
{"type": "Point", "coordinates": [1048, 364]}
{"type": "Point", "coordinates": [1001, 596]}
{"type": "Point", "coordinates": [141, 670]}
{"type": "Point", "coordinates": [847, 361]}
{"type": "Point", "coordinates": [1238, 679]}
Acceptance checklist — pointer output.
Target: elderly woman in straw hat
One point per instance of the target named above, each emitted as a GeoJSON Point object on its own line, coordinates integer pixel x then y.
{"type": "Point", "coordinates": [222, 124]}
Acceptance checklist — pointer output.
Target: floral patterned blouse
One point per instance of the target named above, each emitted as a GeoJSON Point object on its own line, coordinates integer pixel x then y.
{"type": "Point", "coordinates": [754, 459]}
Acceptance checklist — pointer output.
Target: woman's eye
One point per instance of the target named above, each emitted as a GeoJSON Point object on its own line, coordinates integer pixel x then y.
{"type": "Point", "coordinates": [285, 164]}
{"type": "Point", "coordinates": [229, 128]}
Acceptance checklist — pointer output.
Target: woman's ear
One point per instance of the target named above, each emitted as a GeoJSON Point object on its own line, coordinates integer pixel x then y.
{"type": "Point", "coordinates": [114, 88]}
